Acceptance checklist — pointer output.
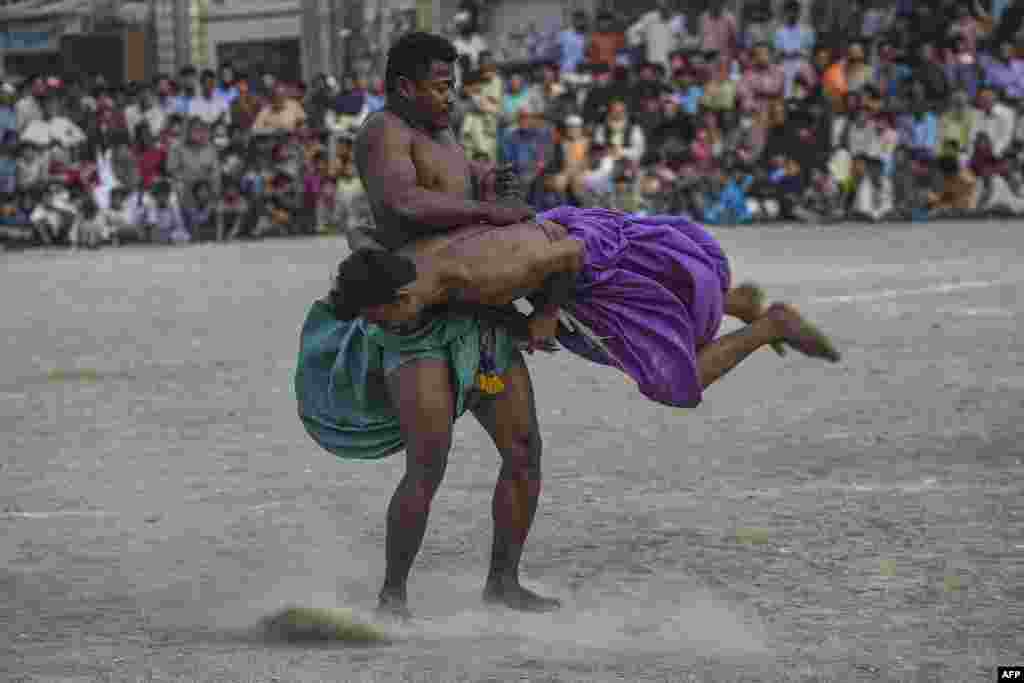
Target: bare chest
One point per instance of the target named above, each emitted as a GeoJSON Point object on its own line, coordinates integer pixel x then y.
{"type": "Point", "coordinates": [441, 165]}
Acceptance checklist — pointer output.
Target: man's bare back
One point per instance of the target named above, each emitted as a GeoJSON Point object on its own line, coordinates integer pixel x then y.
{"type": "Point", "coordinates": [492, 266]}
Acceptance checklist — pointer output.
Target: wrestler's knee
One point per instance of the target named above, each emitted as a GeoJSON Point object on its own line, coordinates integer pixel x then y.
{"type": "Point", "coordinates": [427, 458]}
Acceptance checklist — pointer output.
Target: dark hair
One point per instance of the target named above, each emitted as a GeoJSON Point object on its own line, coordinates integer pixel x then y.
{"type": "Point", "coordinates": [161, 188]}
{"type": "Point", "coordinates": [949, 166]}
{"type": "Point", "coordinates": [369, 277]}
{"type": "Point", "coordinates": [412, 56]}
{"type": "Point", "coordinates": [208, 73]}
{"type": "Point", "coordinates": [201, 184]}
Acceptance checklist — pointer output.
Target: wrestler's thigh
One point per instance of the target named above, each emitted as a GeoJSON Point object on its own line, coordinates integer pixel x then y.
{"type": "Point", "coordinates": [510, 418]}
{"type": "Point", "coordinates": [421, 392]}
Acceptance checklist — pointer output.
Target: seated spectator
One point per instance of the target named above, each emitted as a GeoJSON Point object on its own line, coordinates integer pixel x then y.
{"type": "Point", "coordinates": [726, 200]}
{"type": "Point", "coordinates": [32, 166]}
{"type": "Point", "coordinates": [619, 134]}
{"type": "Point", "coordinates": [574, 157]}
{"type": "Point", "coordinates": [162, 217]}
{"type": "Point", "coordinates": [920, 125]}
{"type": "Point", "coordinates": [88, 229]}
{"type": "Point", "coordinates": [375, 97]}
{"type": "Point", "coordinates": [892, 74]}
{"type": "Point", "coordinates": [993, 191]}
{"type": "Point", "coordinates": [282, 113]}
{"type": "Point", "coordinates": [123, 217]}
{"type": "Point", "coordinates": [348, 110]}
{"type": "Point", "coordinates": [957, 190]}
{"type": "Point", "coordinates": [689, 91]}
{"type": "Point", "coordinates": [625, 195]}
{"type": "Point", "coordinates": [200, 214]}
{"type": "Point", "coordinates": [822, 201]}
{"type": "Point", "coordinates": [994, 118]}
{"type": "Point", "coordinates": [193, 160]}
{"type": "Point", "coordinates": [231, 211]}
{"type": "Point", "coordinates": [54, 215]}
{"type": "Point", "coordinates": [873, 200]}
{"type": "Point", "coordinates": [957, 123]}
{"type": "Point", "coordinates": [599, 95]}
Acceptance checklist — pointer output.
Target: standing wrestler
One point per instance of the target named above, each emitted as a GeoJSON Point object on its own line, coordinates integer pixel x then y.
{"type": "Point", "coordinates": [420, 183]}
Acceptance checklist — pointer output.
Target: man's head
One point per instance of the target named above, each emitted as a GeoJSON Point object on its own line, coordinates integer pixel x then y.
{"type": "Point", "coordinates": [791, 12]}
{"type": "Point", "coordinates": [986, 99]}
{"type": "Point", "coordinates": [208, 82]}
{"type": "Point", "coordinates": [421, 73]}
{"type": "Point", "coordinates": [515, 83]}
{"type": "Point", "coordinates": [762, 56]}
{"type": "Point", "coordinates": [605, 22]}
{"type": "Point", "coordinates": [227, 73]}
{"type": "Point", "coordinates": [375, 284]}
{"type": "Point", "coordinates": [187, 78]}
{"type": "Point", "coordinates": [617, 110]}
{"type": "Point", "coordinates": [198, 132]}
{"type": "Point", "coordinates": [579, 21]}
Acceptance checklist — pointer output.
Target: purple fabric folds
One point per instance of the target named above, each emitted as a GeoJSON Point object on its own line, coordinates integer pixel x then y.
{"type": "Point", "coordinates": [653, 287]}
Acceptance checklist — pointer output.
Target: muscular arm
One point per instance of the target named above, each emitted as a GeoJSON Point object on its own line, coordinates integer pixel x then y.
{"type": "Point", "coordinates": [384, 157]}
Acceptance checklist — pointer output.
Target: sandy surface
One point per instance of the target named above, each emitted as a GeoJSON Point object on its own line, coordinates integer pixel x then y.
{"type": "Point", "coordinates": [807, 523]}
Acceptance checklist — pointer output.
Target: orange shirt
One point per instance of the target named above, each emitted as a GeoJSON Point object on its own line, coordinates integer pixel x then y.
{"type": "Point", "coordinates": [604, 47]}
{"type": "Point", "coordinates": [834, 83]}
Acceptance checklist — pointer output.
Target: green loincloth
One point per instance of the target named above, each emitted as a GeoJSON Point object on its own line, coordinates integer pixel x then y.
{"type": "Point", "coordinates": [341, 365]}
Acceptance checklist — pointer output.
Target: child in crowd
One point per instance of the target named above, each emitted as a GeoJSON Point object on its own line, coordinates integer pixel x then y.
{"type": "Point", "coordinates": [350, 202]}
{"type": "Point", "coordinates": [162, 218]}
{"type": "Point", "coordinates": [123, 217]}
{"type": "Point", "coordinates": [822, 201]}
{"type": "Point", "coordinates": [232, 210]}
{"type": "Point", "coordinates": [200, 220]}
{"type": "Point", "coordinates": [54, 216]}
{"type": "Point", "coordinates": [89, 229]}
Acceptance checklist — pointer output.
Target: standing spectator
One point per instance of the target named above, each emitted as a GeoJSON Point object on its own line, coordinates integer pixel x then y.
{"type": "Point", "coordinates": [479, 132]}
{"type": "Point", "coordinates": [763, 83]}
{"type": "Point", "coordinates": [30, 107]}
{"type": "Point", "coordinates": [147, 109]}
{"type": "Point", "coordinates": [921, 125]}
{"type": "Point", "coordinates": [572, 43]}
{"type": "Point", "coordinates": [468, 42]}
{"type": "Point", "coordinates": [8, 163]}
{"type": "Point", "coordinates": [719, 30]}
{"type": "Point", "coordinates": [493, 84]}
{"type": "Point", "coordinates": [994, 118]}
{"type": "Point", "coordinates": [283, 112]}
{"type": "Point", "coordinates": [527, 147]}
{"type": "Point", "coordinates": [192, 161]}
{"type": "Point", "coordinates": [226, 89]}
{"type": "Point", "coordinates": [8, 117]}
{"type": "Point", "coordinates": [246, 107]}
{"type": "Point", "coordinates": [605, 41]}
{"type": "Point", "coordinates": [930, 71]}
{"type": "Point", "coordinates": [375, 99]}
{"type": "Point", "coordinates": [162, 218]}
{"type": "Point", "coordinates": [207, 105]}
{"type": "Point", "coordinates": [656, 31]}
{"type": "Point", "coordinates": [792, 42]}
{"type": "Point", "coordinates": [150, 155]}
{"type": "Point", "coordinates": [519, 95]}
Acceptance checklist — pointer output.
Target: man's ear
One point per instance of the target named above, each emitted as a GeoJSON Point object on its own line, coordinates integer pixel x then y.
{"type": "Point", "coordinates": [405, 87]}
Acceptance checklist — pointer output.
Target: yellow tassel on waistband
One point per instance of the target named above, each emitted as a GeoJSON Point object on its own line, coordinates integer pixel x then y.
{"type": "Point", "coordinates": [490, 383]}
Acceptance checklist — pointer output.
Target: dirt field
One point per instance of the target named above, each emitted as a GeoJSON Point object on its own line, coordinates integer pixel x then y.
{"type": "Point", "coordinates": [856, 522]}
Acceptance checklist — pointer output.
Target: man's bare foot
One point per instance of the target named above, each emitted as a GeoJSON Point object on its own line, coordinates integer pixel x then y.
{"type": "Point", "coordinates": [393, 606]}
{"type": "Point", "coordinates": [516, 597]}
{"type": "Point", "coordinates": [746, 301]}
{"type": "Point", "coordinates": [800, 334]}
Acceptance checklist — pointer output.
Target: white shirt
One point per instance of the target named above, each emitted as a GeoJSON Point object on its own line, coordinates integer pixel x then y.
{"type": "Point", "coordinates": [57, 129]}
{"type": "Point", "coordinates": [471, 47]}
{"type": "Point", "coordinates": [155, 116]}
{"type": "Point", "coordinates": [209, 110]}
{"type": "Point", "coordinates": [660, 35]}
{"type": "Point", "coordinates": [998, 123]}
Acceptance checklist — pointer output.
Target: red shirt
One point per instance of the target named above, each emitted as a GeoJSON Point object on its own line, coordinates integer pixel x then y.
{"type": "Point", "coordinates": [151, 163]}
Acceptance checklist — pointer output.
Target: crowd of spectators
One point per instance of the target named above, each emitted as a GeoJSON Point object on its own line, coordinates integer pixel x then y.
{"type": "Point", "coordinates": [906, 111]}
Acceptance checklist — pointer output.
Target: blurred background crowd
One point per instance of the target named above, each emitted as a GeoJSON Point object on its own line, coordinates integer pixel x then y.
{"type": "Point", "coordinates": [906, 110]}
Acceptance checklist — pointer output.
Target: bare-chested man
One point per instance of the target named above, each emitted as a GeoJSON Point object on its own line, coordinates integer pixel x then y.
{"type": "Point", "coordinates": [420, 183]}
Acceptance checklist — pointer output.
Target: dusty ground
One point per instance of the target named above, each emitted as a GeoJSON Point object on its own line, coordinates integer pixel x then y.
{"type": "Point", "coordinates": [807, 523]}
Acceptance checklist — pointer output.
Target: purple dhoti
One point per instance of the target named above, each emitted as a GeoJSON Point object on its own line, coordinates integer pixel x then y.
{"type": "Point", "coordinates": [654, 289]}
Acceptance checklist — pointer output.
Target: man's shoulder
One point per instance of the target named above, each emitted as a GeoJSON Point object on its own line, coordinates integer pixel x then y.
{"type": "Point", "coordinates": [382, 125]}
